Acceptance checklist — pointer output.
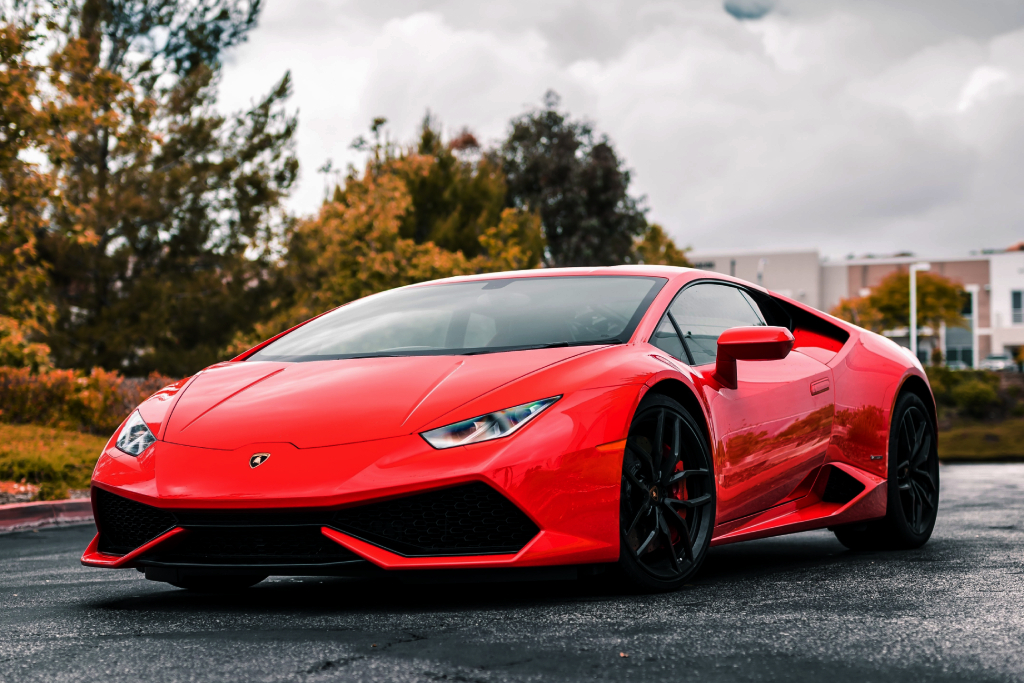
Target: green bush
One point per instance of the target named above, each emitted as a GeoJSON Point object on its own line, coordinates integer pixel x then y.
{"type": "Point", "coordinates": [70, 399]}
{"type": "Point", "coordinates": [972, 393]}
{"type": "Point", "coordinates": [975, 397]}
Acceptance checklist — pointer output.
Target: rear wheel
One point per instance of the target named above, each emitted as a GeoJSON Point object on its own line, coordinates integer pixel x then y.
{"type": "Point", "coordinates": [667, 506]}
{"type": "Point", "coordinates": [913, 491]}
{"type": "Point", "coordinates": [217, 583]}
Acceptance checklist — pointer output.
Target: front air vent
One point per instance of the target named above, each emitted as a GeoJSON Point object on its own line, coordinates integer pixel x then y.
{"type": "Point", "coordinates": [473, 519]}
{"type": "Point", "coordinates": [125, 525]}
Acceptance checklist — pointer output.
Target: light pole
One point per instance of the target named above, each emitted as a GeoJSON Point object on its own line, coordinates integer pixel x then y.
{"type": "Point", "coordinates": [975, 351]}
{"type": "Point", "coordinates": [914, 267]}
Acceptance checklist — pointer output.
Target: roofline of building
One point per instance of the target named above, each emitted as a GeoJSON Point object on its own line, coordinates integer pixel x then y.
{"type": "Point", "coordinates": [904, 260]}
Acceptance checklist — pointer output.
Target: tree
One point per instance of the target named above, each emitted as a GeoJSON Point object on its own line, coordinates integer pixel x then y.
{"type": "Point", "coordinates": [575, 181]}
{"type": "Point", "coordinates": [25, 310]}
{"type": "Point", "coordinates": [355, 246]}
{"type": "Point", "coordinates": [888, 305]}
{"type": "Point", "coordinates": [656, 248]}
{"type": "Point", "coordinates": [162, 235]}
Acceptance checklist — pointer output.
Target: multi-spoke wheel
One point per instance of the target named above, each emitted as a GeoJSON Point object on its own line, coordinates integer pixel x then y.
{"type": "Point", "coordinates": [668, 496]}
{"type": "Point", "coordinates": [913, 484]}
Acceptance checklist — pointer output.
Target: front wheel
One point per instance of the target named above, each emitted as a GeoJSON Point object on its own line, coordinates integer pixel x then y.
{"type": "Point", "coordinates": [667, 506]}
{"type": "Point", "coordinates": [913, 491]}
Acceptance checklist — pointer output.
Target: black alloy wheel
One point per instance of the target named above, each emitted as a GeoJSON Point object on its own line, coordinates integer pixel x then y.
{"type": "Point", "coordinates": [667, 507]}
{"type": "Point", "coordinates": [913, 491]}
{"type": "Point", "coordinates": [917, 473]}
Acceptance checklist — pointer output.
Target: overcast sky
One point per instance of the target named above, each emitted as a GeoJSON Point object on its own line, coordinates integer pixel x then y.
{"type": "Point", "coordinates": [848, 126]}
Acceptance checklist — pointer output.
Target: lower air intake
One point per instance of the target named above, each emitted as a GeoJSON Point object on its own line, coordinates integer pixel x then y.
{"type": "Point", "coordinates": [124, 525]}
{"type": "Point", "coordinates": [252, 545]}
{"type": "Point", "coordinates": [841, 487]}
{"type": "Point", "coordinates": [473, 519]}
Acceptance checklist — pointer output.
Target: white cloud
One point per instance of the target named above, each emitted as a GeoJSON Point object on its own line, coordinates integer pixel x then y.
{"type": "Point", "coordinates": [849, 126]}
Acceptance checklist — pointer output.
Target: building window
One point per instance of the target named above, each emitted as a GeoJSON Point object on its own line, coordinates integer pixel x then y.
{"type": "Point", "coordinates": [966, 310]}
{"type": "Point", "coordinates": [1017, 306]}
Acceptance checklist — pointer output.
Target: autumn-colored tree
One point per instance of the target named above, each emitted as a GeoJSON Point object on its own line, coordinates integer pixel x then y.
{"type": "Point", "coordinates": [655, 248]}
{"type": "Point", "coordinates": [25, 310]}
{"type": "Point", "coordinates": [888, 305]}
{"type": "Point", "coordinates": [859, 311]}
{"type": "Point", "coordinates": [161, 237]}
{"type": "Point", "coordinates": [455, 199]}
{"type": "Point", "coordinates": [355, 247]}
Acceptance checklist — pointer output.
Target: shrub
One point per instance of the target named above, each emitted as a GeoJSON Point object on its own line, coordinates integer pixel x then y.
{"type": "Point", "coordinates": [53, 459]}
{"type": "Point", "coordinates": [975, 397]}
{"type": "Point", "coordinates": [70, 399]}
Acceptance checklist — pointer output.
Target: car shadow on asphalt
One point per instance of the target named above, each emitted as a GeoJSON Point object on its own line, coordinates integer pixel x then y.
{"type": "Point", "coordinates": [775, 558]}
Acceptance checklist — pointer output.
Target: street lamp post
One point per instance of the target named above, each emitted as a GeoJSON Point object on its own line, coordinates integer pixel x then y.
{"type": "Point", "coordinates": [914, 267]}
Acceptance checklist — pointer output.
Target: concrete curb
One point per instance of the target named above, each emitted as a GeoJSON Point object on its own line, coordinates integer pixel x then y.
{"type": "Point", "coordinates": [18, 516]}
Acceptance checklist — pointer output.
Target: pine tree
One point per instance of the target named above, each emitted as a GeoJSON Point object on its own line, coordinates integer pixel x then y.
{"type": "Point", "coordinates": [558, 167]}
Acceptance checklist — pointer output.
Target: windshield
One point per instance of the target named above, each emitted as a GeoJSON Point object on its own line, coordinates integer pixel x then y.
{"type": "Point", "coordinates": [483, 316]}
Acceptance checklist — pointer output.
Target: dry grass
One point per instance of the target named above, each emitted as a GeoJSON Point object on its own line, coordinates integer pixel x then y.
{"type": "Point", "coordinates": [54, 459]}
{"type": "Point", "coordinates": [983, 441]}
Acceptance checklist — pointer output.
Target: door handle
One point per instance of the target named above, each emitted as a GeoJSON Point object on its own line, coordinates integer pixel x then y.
{"type": "Point", "coordinates": [819, 387]}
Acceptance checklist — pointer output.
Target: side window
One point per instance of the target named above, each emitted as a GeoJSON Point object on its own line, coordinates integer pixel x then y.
{"type": "Point", "coordinates": [702, 313]}
{"type": "Point", "coordinates": [666, 339]}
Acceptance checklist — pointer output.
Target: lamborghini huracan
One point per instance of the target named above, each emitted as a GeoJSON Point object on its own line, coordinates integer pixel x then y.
{"type": "Point", "coordinates": [614, 420]}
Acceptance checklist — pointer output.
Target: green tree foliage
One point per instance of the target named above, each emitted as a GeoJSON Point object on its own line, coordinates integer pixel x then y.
{"type": "Point", "coordinates": [888, 305]}
{"type": "Point", "coordinates": [165, 213]}
{"type": "Point", "coordinates": [558, 167]}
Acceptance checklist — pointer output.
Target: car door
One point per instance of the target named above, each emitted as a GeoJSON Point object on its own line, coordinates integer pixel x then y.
{"type": "Point", "coordinates": [774, 427]}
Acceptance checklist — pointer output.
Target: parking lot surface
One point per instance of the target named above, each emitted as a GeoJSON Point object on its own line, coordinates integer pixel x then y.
{"type": "Point", "coordinates": [797, 608]}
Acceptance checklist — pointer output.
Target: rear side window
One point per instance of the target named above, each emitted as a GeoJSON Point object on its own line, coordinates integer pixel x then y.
{"type": "Point", "coordinates": [700, 313]}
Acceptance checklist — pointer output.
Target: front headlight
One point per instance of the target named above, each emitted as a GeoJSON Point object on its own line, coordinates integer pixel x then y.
{"type": "Point", "coordinates": [135, 437]}
{"type": "Point", "coordinates": [486, 427]}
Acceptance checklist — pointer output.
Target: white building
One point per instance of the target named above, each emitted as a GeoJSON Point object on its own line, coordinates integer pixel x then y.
{"type": "Point", "coordinates": [994, 316]}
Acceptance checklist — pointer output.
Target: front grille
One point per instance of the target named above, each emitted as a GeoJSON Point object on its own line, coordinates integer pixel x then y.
{"type": "Point", "coordinates": [464, 520]}
{"type": "Point", "coordinates": [125, 525]}
{"type": "Point", "coordinates": [249, 545]}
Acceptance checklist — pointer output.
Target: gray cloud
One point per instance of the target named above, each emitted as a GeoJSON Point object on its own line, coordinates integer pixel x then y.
{"type": "Point", "coordinates": [863, 125]}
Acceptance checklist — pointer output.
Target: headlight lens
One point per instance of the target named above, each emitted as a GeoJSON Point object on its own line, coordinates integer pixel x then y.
{"type": "Point", "coordinates": [486, 427]}
{"type": "Point", "coordinates": [135, 437]}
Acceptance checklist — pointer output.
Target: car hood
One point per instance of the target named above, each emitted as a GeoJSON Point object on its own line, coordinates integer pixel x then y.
{"type": "Point", "coordinates": [334, 402]}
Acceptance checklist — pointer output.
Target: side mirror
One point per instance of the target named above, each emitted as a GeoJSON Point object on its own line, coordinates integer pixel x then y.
{"type": "Point", "coordinates": [749, 343]}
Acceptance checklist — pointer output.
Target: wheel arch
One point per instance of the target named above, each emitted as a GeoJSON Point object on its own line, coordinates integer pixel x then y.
{"type": "Point", "coordinates": [678, 391]}
{"type": "Point", "coordinates": [917, 386]}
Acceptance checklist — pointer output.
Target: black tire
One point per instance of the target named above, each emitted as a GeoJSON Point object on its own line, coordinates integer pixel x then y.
{"type": "Point", "coordinates": [667, 504]}
{"type": "Point", "coordinates": [217, 583]}
{"type": "Point", "coordinates": [913, 491]}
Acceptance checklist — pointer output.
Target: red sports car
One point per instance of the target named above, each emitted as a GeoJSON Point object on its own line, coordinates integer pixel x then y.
{"type": "Point", "coordinates": [572, 420]}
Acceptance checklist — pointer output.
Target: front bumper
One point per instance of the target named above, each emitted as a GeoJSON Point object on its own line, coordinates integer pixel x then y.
{"type": "Point", "coordinates": [560, 475]}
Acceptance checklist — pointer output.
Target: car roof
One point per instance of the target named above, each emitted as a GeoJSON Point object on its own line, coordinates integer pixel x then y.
{"type": "Point", "coordinates": [668, 272]}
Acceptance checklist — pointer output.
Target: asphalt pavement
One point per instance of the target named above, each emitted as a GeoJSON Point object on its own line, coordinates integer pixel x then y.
{"type": "Point", "coordinates": [796, 608]}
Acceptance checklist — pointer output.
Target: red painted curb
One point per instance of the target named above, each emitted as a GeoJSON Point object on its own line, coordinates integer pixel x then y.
{"type": "Point", "coordinates": [45, 513]}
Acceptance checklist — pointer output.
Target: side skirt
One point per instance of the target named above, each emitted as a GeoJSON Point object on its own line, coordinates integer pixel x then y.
{"type": "Point", "coordinates": [827, 503]}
